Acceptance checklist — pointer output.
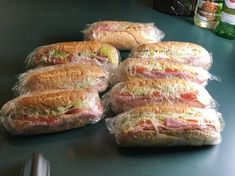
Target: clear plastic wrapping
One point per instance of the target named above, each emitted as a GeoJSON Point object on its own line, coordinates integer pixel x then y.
{"type": "Point", "coordinates": [141, 92]}
{"type": "Point", "coordinates": [180, 52]}
{"type": "Point", "coordinates": [93, 52]}
{"type": "Point", "coordinates": [51, 111]}
{"type": "Point", "coordinates": [159, 69]}
{"type": "Point", "coordinates": [122, 34]}
{"type": "Point", "coordinates": [161, 126]}
{"type": "Point", "coordinates": [63, 76]}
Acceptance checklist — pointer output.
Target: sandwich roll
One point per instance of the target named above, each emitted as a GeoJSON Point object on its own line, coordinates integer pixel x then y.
{"type": "Point", "coordinates": [63, 76]}
{"type": "Point", "coordinates": [164, 126]}
{"type": "Point", "coordinates": [99, 53]}
{"type": "Point", "coordinates": [141, 92]}
{"type": "Point", "coordinates": [181, 52]}
{"type": "Point", "coordinates": [51, 111]}
{"type": "Point", "coordinates": [159, 69]}
{"type": "Point", "coordinates": [122, 34]}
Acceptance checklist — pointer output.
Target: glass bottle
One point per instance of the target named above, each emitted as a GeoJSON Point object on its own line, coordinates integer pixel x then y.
{"type": "Point", "coordinates": [176, 7]}
{"type": "Point", "coordinates": [226, 27]}
{"type": "Point", "coordinates": [207, 13]}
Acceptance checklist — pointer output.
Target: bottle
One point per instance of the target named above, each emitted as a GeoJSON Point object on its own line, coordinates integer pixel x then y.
{"type": "Point", "coordinates": [207, 13]}
{"type": "Point", "coordinates": [226, 27]}
{"type": "Point", "coordinates": [176, 7]}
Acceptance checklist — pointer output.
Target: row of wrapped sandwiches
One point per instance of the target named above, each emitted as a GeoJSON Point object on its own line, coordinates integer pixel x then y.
{"type": "Point", "coordinates": [60, 91]}
{"type": "Point", "coordinates": [157, 93]}
{"type": "Point", "coordinates": [160, 99]}
{"type": "Point", "coordinates": [163, 112]}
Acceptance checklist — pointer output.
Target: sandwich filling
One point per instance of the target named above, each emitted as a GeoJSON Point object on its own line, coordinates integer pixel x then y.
{"type": "Point", "coordinates": [139, 93]}
{"type": "Point", "coordinates": [165, 121]}
{"type": "Point", "coordinates": [104, 55]}
{"type": "Point", "coordinates": [182, 56]}
{"type": "Point", "coordinates": [35, 111]}
{"type": "Point", "coordinates": [147, 30]}
{"type": "Point", "coordinates": [155, 70]}
{"type": "Point", "coordinates": [160, 90]}
{"type": "Point", "coordinates": [50, 116]}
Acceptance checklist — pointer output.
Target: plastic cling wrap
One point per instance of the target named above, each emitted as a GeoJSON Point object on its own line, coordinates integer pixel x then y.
{"type": "Point", "coordinates": [140, 92]}
{"type": "Point", "coordinates": [51, 111]}
{"type": "Point", "coordinates": [159, 69]}
{"type": "Point", "coordinates": [122, 34]}
{"type": "Point", "coordinates": [94, 52]}
{"type": "Point", "coordinates": [163, 126]}
{"type": "Point", "coordinates": [63, 76]}
{"type": "Point", "coordinates": [181, 52]}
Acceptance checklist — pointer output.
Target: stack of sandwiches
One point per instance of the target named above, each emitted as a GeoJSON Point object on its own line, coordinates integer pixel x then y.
{"type": "Point", "coordinates": [158, 93]}
{"type": "Point", "coordinates": [60, 91]}
{"type": "Point", "coordinates": [160, 97]}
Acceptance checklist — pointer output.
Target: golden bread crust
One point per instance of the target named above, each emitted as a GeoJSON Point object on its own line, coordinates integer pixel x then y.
{"type": "Point", "coordinates": [52, 98]}
{"type": "Point", "coordinates": [167, 139]}
{"type": "Point", "coordinates": [61, 76]}
{"type": "Point", "coordinates": [71, 47]}
{"type": "Point", "coordinates": [182, 52]}
{"type": "Point", "coordinates": [169, 44]}
{"type": "Point", "coordinates": [121, 34]}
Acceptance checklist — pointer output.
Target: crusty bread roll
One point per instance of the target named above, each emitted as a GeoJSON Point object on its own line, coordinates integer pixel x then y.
{"type": "Point", "coordinates": [163, 126]}
{"type": "Point", "coordinates": [159, 69]}
{"type": "Point", "coordinates": [70, 52]}
{"type": "Point", "coordinates": [51, 111]}
{"type": "Point", "coordinates": [122, 34]}
{"type": "Point", "coordinates": [63, 76]}
{"type": "Point", "coordinates": [181, 52]}
{"type": "Point", "coordinates": [140, 92]}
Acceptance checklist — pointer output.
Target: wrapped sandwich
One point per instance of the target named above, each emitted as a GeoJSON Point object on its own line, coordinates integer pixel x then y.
{"type": "Point", "coordinates": [122, 34]}
{"type": "Point", "coordinates": [51, 111]}
{"type": "Point", "coordinates": [180, 52]}
{"type": "Point", "coordinates": [140, 92]}
{"type": "Point", "coordinates": [159, 69]}
{"type": "Point", "coordinates": [63, 76]}
{"type": "Point", "coordinates": [162, 126]}
{"type": "Point", "coordinates": [95, 52]}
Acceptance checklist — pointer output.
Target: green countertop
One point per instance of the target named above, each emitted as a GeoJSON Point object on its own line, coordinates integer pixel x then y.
{"type": "Point", "coordinates": [25, 25]}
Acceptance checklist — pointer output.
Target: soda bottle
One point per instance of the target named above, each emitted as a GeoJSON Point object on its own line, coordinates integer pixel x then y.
{"type": "Point", "coordinates": [207, 13]}
{"type": "Point", "coordinates": [226, 27]}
